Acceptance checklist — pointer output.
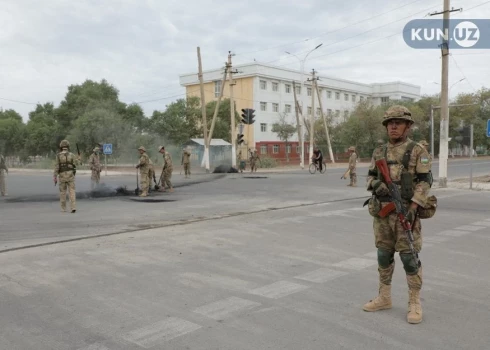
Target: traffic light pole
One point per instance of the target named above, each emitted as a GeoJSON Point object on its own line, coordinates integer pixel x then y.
{"type": "Point", "coordinates": [471, 156]}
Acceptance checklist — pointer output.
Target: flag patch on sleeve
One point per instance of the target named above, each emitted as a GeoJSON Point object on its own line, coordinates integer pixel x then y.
{"type": "Point", "coordinates": [424, 160]}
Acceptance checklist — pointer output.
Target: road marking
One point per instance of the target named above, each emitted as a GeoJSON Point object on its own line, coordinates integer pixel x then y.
{"type": "Point", "coordinates": [436, 239]}
{"type": "Point", "coordinates": [221, 309]}
{"type": "Point", "coordinates": [344, 212]}
{"type": "Point", "coordinates": [482, 223]}
{"type": "Point", "coordinates": [95, 347]}
{"type": "Point", "coordinates": [469, 228]}
{"type": "Point", "coordinates": [373, 254]}
{"type": "Point", "coordinates": [219, 281]}
{"type": "Point", "coordinates": [453, 233]}
{"type": "Point", "coordinates": [165, 330]}
{"type": "Point", "coordinates": [278, 289]}
{"type": "Point", "coordinates": [321, 275]}
{"type": "Point", "coordinates": [355, 263]}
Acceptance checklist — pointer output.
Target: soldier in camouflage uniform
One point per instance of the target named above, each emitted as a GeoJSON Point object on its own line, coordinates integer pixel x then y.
{"type": "Point", "coordinates": [65, 170]}
{"type": "Point", "coordinates": [94, 164]}
{"type": "Point", "coordinates": [426, 144]}
{"type": "Point", "coordinates": [186, 162]}
{"type": "Point", "coordinates": [410, 168]}
{"type": "Point", "coordinates": [352, 166]}
{"type": "Point", "coordinates": [151, 174]}
{"type": "Point", "coordinates": [167, 170]}
{"type": "Point", "coordinates": [253, 161]}
{"type": "Point", "coordinates": [3, 170]}
{"type": "Point", "coordinates": [144, 167]}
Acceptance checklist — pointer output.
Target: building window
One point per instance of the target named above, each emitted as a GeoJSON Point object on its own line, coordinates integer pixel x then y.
{"type": "Point", "coordinates": [337, 113]}
{"type": "Point", "coordinates": [353, 98]}
{"type": "Point", "coordinates": [263, 106]}
{"type": "Point", "coordinates": [275, 149]}
{"type": "Point", "coordinates": [287, 108]}
{"type": "Point", "coordinates": [288, 149]}
{"type": "Point", "coordinates": [405, 98]}
{"type": "Point", "coordinates": [329, 112]}
{"type": "Point", "coordinates": [318, 111]}
{"type": "Point", "coordinates": [309, 110]}
{"type": "Point", "coordinates": [287, 88]}
{"type": "Point", "coordinates": [337, 95]}
{"type": "Point", "coordinates": [275, 107]}
{"type": "Point", "coordinates": [263, 85]}
{"type": "Point", "coordinates": [275, 86]}
{"type": "Point", "coordinates": [298, 90]}
{"type": "Point", "coordinates": [217, 88]}
{"type": "Point", "coordinates": [308, 91]}
{"type": "Point", "coordinates": [361, 98]}
{"type": "Point", "coordinates": [346, 115]}
{"type": "Point", "coordinates": [263, 127]}
{"type": "Point", "coordinates": [329, 94]}
{"type": "Point", "coordinates": [263, 149]}
{"type": "Point", "coordinates": [298, 149]}
{"type": "Point", "coordinates": [385, 99]}
{"type": "Point", "coordinates": [346, 97]}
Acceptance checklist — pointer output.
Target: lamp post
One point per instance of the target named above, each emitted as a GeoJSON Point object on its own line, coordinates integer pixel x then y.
{"type": "Point", "coordinates": [302, 69]}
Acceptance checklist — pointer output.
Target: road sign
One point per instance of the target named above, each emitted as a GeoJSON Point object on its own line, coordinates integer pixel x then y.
{"type": "Point", "coordinates": [107, 148]}
{"type": "Point", "coordinates": [488, 128]}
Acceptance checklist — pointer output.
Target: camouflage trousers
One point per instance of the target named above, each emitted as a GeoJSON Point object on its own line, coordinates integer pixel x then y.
{"type": "Point", "coordinates": [67, 184]}
{"type": "Point", "coordinates": [390, 236]}
{"type": "Point", "coordinates": [187, 169]}
{"type": "Point", "coordinates": [3, 185]}
{"type": "Point", "coordinates": [151, 175]}
{"type": "Point", "coordinates": [145, 182]}
{"type": "Point", "coordinates": [95, 178]}
{"type": "Point", "coordinates": [253, 166]}
{"type": "Point", "coordinates": [353, 177]}
{"type": "Point", "coordinates": [166, 176]}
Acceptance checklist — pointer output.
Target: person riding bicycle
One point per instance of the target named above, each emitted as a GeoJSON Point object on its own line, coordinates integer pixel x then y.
{"type": "Point", "coordinates": [317, 158]}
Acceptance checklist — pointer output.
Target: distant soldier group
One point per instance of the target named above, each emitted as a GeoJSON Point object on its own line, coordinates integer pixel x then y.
{"type": "Point", "coordinates": [147, 171]}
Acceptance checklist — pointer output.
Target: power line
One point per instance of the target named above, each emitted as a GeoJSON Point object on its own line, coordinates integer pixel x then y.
{"type": "Point", "coordinates": [329, 32]}
{"type": "Point", "coordinates": [27, 103]}
{"type": "Point", "coordinates": [462, 73]}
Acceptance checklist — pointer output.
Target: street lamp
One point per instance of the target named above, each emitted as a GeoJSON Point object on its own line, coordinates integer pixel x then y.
{"type": "Point", "coordinates": [302, 69]}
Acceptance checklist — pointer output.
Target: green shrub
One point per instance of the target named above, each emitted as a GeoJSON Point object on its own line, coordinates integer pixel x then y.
{"type": "Point", "coordinates": [267, 162]}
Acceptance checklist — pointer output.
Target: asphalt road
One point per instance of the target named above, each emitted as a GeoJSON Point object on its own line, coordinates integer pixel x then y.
{"type": "Point", "coordinates": [262, 261]}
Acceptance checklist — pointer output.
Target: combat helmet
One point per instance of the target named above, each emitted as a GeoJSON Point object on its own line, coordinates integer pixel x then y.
{"type": "Point", "coordinates": [96, 149]}
{"type": "Point", "coordinates": [351, 148]}
{"type": "Point", "coordinates": [397, 112]}
{"type": "Point", "coordinates": [64, 144]}
{"type": "Point", "coordinates": [141, 148]}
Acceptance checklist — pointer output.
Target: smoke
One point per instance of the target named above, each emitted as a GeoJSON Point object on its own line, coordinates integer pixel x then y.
{"type": "Point", "coordinates": [220, 169]}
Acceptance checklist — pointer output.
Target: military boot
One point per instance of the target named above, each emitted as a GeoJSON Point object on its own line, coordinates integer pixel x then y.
{"type": "Point", "coordinates": [382, 301]}
{"type": "Point", "coordinates": [414, 314]}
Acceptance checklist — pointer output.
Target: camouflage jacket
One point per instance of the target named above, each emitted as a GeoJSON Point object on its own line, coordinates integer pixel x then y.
{"type": "Point", "coordinates": [65, 161]}
{"type": "Point", "coordinates": [352, 161]}
{"type": "Point", "coordinates": [186, 157]}
{"type": "Point", "coordinates": [144, 163]}
{"type": "Point", "coordinates": [419, 166]}
{"type": "Point", "coordinates": [94, 162]}
{"type": "Point", "coordinates": [3, 163]}
{"type": "Point", "coordinates": [167, 161]}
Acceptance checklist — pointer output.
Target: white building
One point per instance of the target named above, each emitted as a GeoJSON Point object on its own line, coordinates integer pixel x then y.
{"type": "Point", "coordinates": [268, 90]}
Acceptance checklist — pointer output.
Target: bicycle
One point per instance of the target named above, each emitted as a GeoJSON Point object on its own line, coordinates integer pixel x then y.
{"type": "Point", "coordinates": [314, 167]}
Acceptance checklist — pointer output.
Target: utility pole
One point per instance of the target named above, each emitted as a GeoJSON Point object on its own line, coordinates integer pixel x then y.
{"type": "Point", "coordinates": [324, 123]}
{"type": "Point", "coordinates": [444, 131]}
{"type": "Point", "coordinates": [213, 122]}
{"type": "Point", "coordinates": [299, 127]}
{"type": "Point", "coordinates": [203, 112]}
{"type": "Point", "coordinates": [312, 117]}
{"type": "Point", "coordinates": [232, 113]}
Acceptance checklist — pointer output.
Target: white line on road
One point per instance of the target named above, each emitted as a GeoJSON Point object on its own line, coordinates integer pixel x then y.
{"type": "Point", "coordinates": [95, 347]}
{"type": "Point", "coordinates": [453, 233]}
{"type": "Point", "coordinates": [470, 228]}
{"type": "Point", "coordinates": [223, 308]}
{"type": "Point", "coordinates": [355, 263]}
{"type": "Point", "coordinates": [278, 289]}
{"type": "Point", "coordinates": [482, 223]}
{"type": "Point", "coordinates": [165, 330]}
{"type": "Point", "coordinates": [321, 275]}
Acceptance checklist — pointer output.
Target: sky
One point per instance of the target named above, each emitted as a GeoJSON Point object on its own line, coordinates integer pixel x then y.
{"type": "Point", "coordinates": [142, 46]}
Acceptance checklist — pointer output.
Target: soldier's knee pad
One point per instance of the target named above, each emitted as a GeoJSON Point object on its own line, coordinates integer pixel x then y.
{"type": "Point", "coordinates": [409, 264]}
{"type": "Point", "coordinates": [385, 258]}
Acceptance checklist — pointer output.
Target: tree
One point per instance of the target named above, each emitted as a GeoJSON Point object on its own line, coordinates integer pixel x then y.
{"type": "Point", "coordinates": [222, 126]}
{"type": "Point", "coordinates": [284, 131]}
{"type": "Point", "coordinates": [12, 133]}
{"type": "Point", "coordinates": [43, 133]}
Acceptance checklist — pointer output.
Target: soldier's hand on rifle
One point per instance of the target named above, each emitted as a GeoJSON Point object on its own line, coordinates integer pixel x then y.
{"type": "Point", "coordinates": [380, 188]}
{"type": "Point", "coordinates": [137, 167]}
{"type": "Point", "coordinates": [412, 213]}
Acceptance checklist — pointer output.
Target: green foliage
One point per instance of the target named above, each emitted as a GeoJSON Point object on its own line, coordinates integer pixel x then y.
{"type": "Point", "coordinates": [284, 130]}
{"type": "Point", "coordinates": [222, 125]}
{"type": "Point", "coordinates": [12, 132]}
{"type": "Point", "coordinates": [267, 162]}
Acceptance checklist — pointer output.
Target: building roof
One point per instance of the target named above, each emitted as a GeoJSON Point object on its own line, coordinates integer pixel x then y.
{"type": "Point", "coordinates": [214, 142]}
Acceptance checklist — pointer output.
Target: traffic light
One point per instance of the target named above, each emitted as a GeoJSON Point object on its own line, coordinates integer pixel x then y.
{"type": "Point", "coordinates": [248, 116]}
{"type": "Point", "coordinates": [464, 137]}
{"type": "Point", "coordinates": [239, 139]}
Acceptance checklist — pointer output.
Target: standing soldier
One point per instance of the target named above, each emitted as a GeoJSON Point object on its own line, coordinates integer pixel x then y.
{"type": "Point", "coordinates": [410, 169]}
{"type": "Point", "coordinates": [253, 161]}
{"type": "Point", "coordinates": [94, 164]}
{"type": "Point", "coordinates": [352, 166]}
{"type": "Point", "coordinates": [3, 170]}
{"type": "Point", "coordinates": [65, 169]}
{"type": "Point", "coordinates": [151, 174]}
{"type": "Point", "coordinates": [186, 162]}
{"type": "Point", "coordinates": [144, 167]}
{"type": "Point", "coordinates": [167, 170]}
{"type": "Point", "coordinates": [241, 163]}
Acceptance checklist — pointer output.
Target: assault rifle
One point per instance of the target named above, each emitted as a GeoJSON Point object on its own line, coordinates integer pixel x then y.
{"type": "Point", "coordinates": [401, 211]}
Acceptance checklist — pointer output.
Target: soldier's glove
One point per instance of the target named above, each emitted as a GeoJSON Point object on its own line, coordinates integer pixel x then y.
{"type": "Point", "coordinates": [137, 167]}
{"type": "Point", "coordinates": [380, 188]}
{"type": "Point", "coordinates": [412, 213]}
